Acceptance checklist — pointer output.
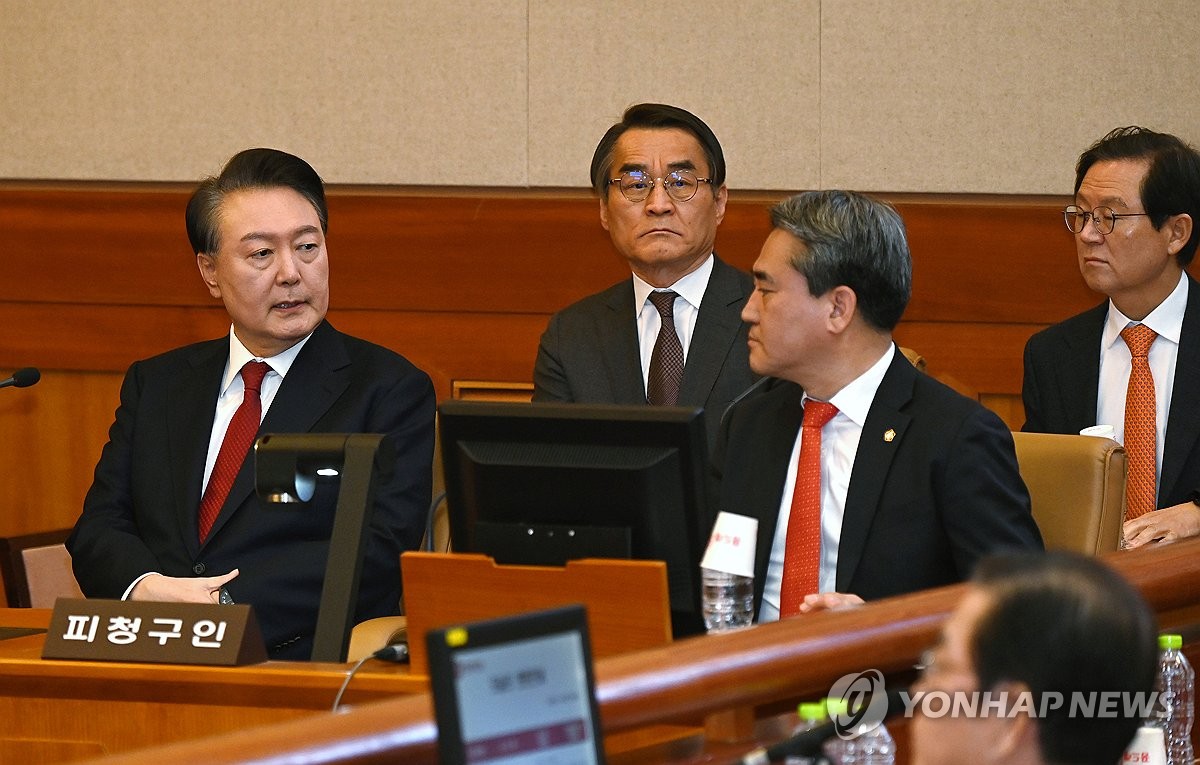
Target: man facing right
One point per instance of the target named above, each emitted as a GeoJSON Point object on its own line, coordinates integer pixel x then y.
{"type": "Point", "coordinates": [1132, 362]}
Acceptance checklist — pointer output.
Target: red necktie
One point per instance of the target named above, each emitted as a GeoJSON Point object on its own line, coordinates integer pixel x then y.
{"type": "Point", "coordinates": [802, 551]}
{"type": "Point", "coordinates": [666, 361]}
{"type": "Point", "coordinates": [1141, 433]}
{"type": "Point", "coordinates": [238, 439]}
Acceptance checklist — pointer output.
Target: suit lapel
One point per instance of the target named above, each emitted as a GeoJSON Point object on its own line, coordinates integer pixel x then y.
{"type": "Point", "coordinates": [717, 325]}
{"type": "Point", "coordinates": [1080, 365]}
{"type": "Point", "coordinates": [188, 434]}
{"type": "Point", "coordinates": [618, 343]}
{"type": "Point", "coordinates": [1183, 426]}
{"type": "Point", "coordinates": [318, 377]}
{"type": "Point", "coordinates": [872, 462]}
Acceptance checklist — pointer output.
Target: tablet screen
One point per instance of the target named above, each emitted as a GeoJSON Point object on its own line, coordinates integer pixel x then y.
{"type": "Point", "coordinates": [521, 691]}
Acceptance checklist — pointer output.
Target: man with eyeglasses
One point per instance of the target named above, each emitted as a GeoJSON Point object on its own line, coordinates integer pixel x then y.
{"type": "Point", "coordinates": [671, 335]}
{"type": "Point", "coordinates": [1030, 631]}
{"type": "Point", "coordinates": [1132, 362]}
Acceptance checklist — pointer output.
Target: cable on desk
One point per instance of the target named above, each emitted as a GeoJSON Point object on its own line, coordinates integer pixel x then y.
{"type": "Point", "coordinates": [396, 653]}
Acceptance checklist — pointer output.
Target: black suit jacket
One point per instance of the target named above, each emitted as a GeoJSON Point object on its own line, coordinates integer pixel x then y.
{"type": "Point", "coordinates": [1062, 383]}
{"type": "Point", "coordinates": [921, 508]}
{"type": "Point", "coordinates": [589, 352]}
{"type": "Point", "coordinates": [140, 514]}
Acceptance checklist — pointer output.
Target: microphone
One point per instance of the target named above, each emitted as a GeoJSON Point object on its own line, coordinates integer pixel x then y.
{"type": "Point", "coordinates": [808, 743]}
{"type": "Point", "coordinates": [22, 378]}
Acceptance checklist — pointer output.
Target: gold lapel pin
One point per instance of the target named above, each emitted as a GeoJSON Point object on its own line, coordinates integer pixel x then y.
{"type": "Point", "coordinates": [889, 435]}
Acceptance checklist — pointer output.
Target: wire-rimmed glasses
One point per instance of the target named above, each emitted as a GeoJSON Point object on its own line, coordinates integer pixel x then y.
{"type": "Point", "coordinates": [680, 185]}
{"type": "Point", "coordinates": [1104, 218]}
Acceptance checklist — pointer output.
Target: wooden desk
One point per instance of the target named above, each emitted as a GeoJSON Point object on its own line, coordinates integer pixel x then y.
{"type": "Point", "coordinates": [58, 711]}
{"type": "Point", "coordinates": [754, 669]}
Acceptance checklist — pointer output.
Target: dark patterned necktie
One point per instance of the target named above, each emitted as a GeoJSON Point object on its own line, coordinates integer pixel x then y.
{"type": "Point", "coordinates": [666, 362]}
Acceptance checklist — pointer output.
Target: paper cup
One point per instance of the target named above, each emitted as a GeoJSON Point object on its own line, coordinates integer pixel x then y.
{"type": "Point", "coordinates": [1148, 747]}
{"type": "Point", "coordinates": [731, 546]}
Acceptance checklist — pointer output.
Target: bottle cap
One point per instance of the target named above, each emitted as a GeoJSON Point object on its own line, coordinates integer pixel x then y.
{"type": "Point", "coordinates": [811, 710]}
{"type": "Point", "coordinates": [1166, 642]}
{"type": "Point", "coordinates": [836, 707]}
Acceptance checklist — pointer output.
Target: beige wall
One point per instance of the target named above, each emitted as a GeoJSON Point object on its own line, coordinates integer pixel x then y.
{"type": "Point", "coordinates": [887, 95]}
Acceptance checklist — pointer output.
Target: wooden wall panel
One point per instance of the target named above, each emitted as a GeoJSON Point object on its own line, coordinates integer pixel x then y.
{"type": "Point", "coordinates": [462, 283]}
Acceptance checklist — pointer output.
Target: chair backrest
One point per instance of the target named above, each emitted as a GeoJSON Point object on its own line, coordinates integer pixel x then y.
{"type": "Point", "coordinates": [37, 569]}
{"type": "Point", "coordinates": [437, 532]}
{"type": "Point", "coordinates": [1077, 486]}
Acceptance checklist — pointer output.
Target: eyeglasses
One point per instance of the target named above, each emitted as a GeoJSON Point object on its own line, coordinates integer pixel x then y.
{"type": "Point", "coordinates": [1104, 218]}
{"type": "Point", "coordinates": [680, 185]}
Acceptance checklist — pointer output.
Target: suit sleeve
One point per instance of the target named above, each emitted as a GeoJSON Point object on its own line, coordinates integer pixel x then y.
{"type": "Point", "coordinates": [406, 413]}
{"type": "Point", "coordinates": [107, 551]}
{"type": "Point", "coordinates": [550, 381]}
{"type": "Point", "coordinates": [983, 501]}
{"type": "Point", "coordinates": [1031, 395]}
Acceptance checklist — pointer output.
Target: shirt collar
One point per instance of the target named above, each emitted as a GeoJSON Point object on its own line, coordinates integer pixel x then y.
{"type": "Point", "coordinates": [1166, 319]}
{"type": "Point", "coordinates": [690, 287]}
{"type": "Point", "coordinates": [854, 400]}
{"type": "Point", "coordinates": [238, 357]}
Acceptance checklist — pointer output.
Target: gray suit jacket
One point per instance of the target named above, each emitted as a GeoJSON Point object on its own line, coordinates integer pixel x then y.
{"type": "Point", "coordinates": [589, 352]}
{"type": "Point", "coordinates": [1062, 381]}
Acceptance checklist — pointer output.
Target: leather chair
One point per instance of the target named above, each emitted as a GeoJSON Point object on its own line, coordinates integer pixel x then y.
{"type": "Point", "coordinates": [1077, 486]}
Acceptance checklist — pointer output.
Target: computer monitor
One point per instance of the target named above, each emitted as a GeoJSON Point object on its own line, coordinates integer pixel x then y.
{"type": "Point", "coordinates": [516, 690]}
{"type": "Point", "coordinates": [542, 483]}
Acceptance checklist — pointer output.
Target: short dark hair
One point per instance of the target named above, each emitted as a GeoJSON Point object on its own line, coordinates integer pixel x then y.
{"type": "Point", "coordinates": [250, 169]}
{"type": "Point", "coordinates": [657, 117]}
{"type": "Point", "coordinates": [1061, 622]}
{"type": "Point", "coordinates": [1171, 185]}
{"type": "Point", "coordinates": [853, 240]}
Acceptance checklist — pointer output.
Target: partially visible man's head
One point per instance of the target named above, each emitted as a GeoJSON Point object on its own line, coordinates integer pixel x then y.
{"type": "Point", "coordinates": [660, 176]}
{"type": "Point", "coordinates": [1170, 182]}
{"type": "Point", "coordinates": [250, 169]}
{"type": "Point", "coordinates": [1137, 206]}
{"type": "Point", "coordinates": [258, 230]}
{"type": "Point", "coordinates": [657, 117]}
{"type": "Point", "coordinates": [1050, 625]}
{"type": "Point", "coordinates": [854, 240]}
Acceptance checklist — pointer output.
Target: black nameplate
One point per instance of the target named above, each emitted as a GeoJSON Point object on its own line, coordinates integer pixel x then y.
{"type": "Point", "coordinates": [163, 633]}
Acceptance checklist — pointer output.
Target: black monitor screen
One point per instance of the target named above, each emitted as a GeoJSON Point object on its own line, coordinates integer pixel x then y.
{"type": "Point", "coordinates": [541, 484]}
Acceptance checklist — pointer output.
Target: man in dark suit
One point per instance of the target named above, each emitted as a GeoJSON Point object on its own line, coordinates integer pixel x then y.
{"type": "Point", "coordinates": [660, 176]}
{"type": "Point", "coordinates": [902, 484]}
{"type": "Point", "coordinates": [156, 523]}
{"type": "Point", "coordinates": [1137, 200]}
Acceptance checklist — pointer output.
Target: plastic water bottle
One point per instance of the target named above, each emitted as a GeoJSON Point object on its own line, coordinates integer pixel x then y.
{"type": "Point", "coordinates": [812, 714]}
{"type": "Point", "coordinates": [864, 747]}
{"type": "Point", "coordinates": [728, 600]}
{"type": "Point", "coordinates": [1175, 708]}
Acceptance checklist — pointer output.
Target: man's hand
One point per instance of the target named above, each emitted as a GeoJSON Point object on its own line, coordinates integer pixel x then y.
{"type": "Point", "coordinates": [829, 601]}
{"type": "Point", "coordinates": [181, 590]}
{"type": "Point", "coordinates": [1163, 526]}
